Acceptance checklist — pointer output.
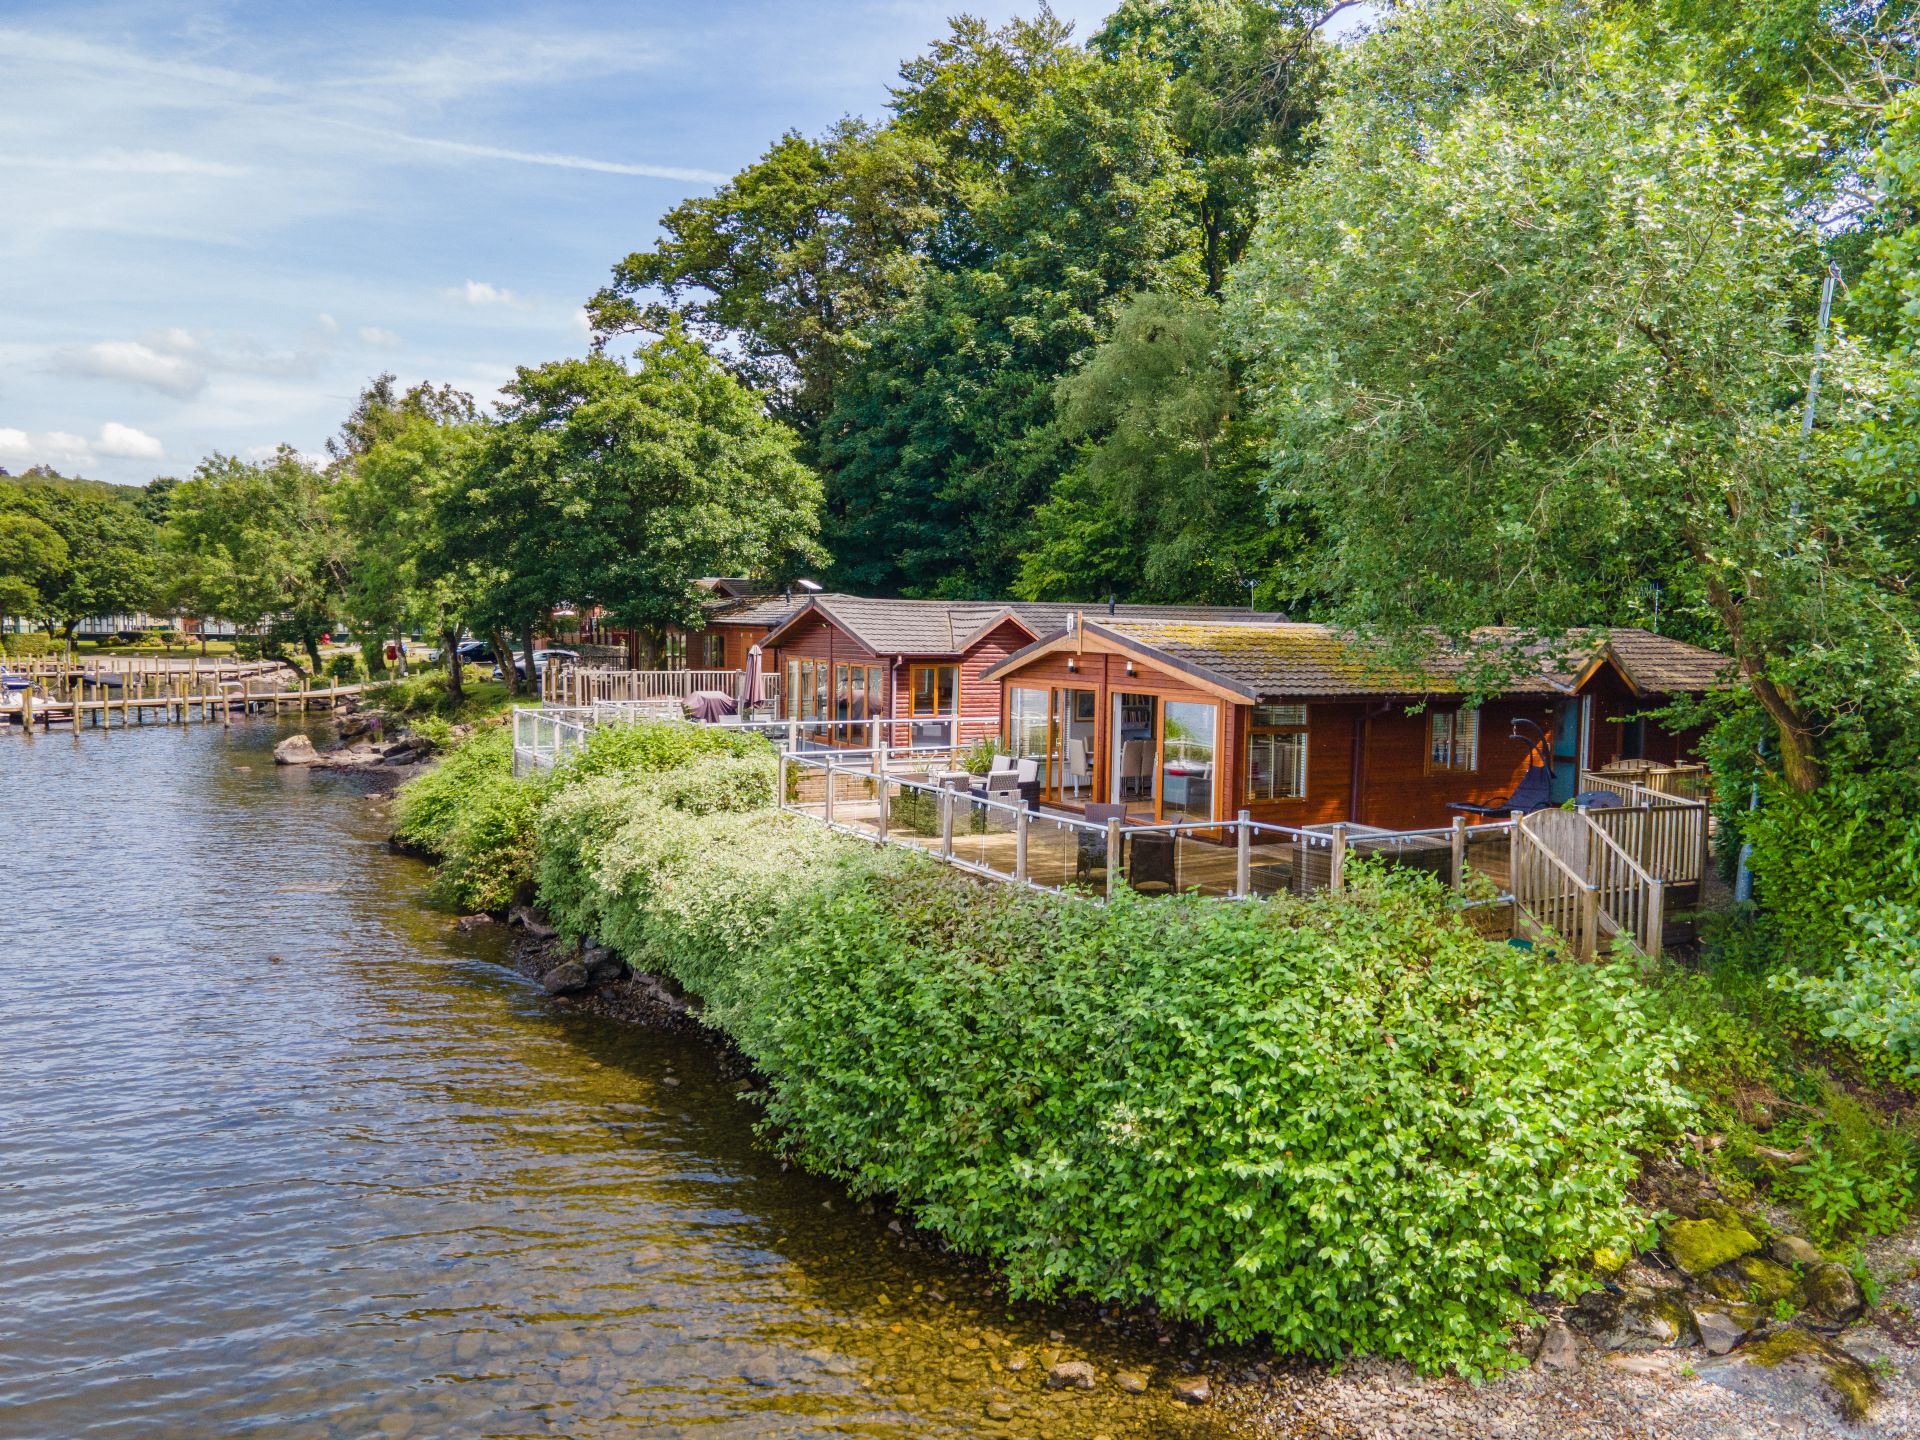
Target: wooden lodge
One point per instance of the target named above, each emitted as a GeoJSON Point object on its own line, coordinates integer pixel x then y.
{"type": "Point", "coordinates": [845, 660]}
{"type": "Point", "coordinates": [1190, 721]}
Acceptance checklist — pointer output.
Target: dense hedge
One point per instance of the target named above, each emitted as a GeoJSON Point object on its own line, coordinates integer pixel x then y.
{"type": "Point", "coordinates": [1345, 1122]}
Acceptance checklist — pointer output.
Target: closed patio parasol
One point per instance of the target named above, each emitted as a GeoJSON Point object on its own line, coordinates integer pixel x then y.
{"type": "Point", "coordinates": [752, 684]}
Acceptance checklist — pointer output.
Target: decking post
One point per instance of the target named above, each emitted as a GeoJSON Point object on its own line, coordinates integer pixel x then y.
{"type": "Point", "coordinates": [829, 804]}
{"type": "Point", "coordinates": [26, 709]}
{"type": "Point", "coordinates": [1020, 845]}
{"type": "Point", "coordinates": [1459, 853]}
{"type": "Point", "coordinates": [879, 755]}
{"type": "Point", "coordinates": [1116, 856]}
{"type": "Point", "coordinates": [880, 826]}
{"type": "Point", "coordinates": [1656, 919]}
{"type": "Point", "coordinates": [1589, 920]}
{"type": "Point", "coordinates": [793, 734]}
{"type": "Point", "coordinates": [780, 781]}
{"type": "Point", "coordinates": [1243, 862]}
{"type": "Point", "coordinates": [947, 796]}
{"type": "Point", "coordinates": [1337, 860]}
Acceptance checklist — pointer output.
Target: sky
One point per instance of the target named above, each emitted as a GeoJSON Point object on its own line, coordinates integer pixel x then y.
{"type": "Point", "coordinates": [218, 222]}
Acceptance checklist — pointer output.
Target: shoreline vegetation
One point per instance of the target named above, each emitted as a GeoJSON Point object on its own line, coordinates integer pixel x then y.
{"type": "Point", "coordinates": [1343, 1126]}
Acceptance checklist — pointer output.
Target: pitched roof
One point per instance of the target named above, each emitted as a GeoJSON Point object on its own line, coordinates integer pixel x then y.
{"type": "Point", "coordinates": [1268, 661]}
{"type": "Point", "coordinates": [948, 627]}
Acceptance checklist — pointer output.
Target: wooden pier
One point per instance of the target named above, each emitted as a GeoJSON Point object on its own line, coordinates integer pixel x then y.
{"type": "Point", "coordinates": [149, 694]}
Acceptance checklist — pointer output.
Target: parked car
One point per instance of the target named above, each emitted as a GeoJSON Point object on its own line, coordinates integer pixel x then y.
{"type": "Point", "coordinates": [540, 659]}
{"type": "Point", "coordinates": [472, 652]}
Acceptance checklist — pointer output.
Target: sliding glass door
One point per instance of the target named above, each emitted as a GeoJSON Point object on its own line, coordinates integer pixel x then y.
{"type": "Point", "coordinates": [1189, 769]}
{"type": "Point", "coordinates": [1134, 743]}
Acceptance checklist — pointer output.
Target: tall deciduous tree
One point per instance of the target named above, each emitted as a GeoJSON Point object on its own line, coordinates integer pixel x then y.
{"type": "Point", "coordinates": [1521, 350]}
{"type": "Point", "coordinates": [31, 554]}
{"type": "Point", "coordinates": [107, 560]}
{"type": "Point", "coordinates": [259, 544]}
{"type": "Point", "coordinates": [618, 486]}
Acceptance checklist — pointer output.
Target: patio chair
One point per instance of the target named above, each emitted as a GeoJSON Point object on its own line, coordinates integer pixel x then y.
{"type": "Point", "coordinates": [1092, 845]}
{"type": "Point", "coordinates": [1529, 795]}
{"type": "Point", "coordinates": [1079, 767]}
{"type": "Point", "coordinates": [1026, 773]}
{"type": "Point", "coordinates": [1150, 861]}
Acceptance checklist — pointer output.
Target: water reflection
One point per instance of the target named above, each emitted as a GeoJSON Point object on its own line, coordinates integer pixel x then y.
{"type": "Point", "coordinates": [280, 1153]}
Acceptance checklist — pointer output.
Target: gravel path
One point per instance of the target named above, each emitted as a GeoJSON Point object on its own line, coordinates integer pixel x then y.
{"type": "Point", "coordinates": [1658, 1395]}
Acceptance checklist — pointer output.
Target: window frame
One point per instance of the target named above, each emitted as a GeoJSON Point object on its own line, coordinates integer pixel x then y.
{"type": "Point", "coordinates": [1255, 729]}
{"type": "Point", "coordinates": [1448, 737]}
{"type": "Point", "coordinates": [913, 691]}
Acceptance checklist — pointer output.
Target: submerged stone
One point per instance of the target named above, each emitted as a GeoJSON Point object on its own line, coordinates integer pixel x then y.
{"type": "Point", "coordinates": [1698, 1246]}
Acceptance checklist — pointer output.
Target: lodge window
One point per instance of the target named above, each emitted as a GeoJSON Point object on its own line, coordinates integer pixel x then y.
{"type": "Point", "coordinates": [1277, 753]}
{"type": "Point", "coordinates": [712, 649]}
{"type": "Point", "coordinates": [673, 651]}
{"type": "Point", "coordinates": [1453, 741]}
{"type": "Point", "coordinates": [935, 689]}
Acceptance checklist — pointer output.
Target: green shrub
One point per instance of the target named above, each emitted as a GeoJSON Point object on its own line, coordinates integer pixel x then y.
{"type": "Point", "coordinates": [1346, 1123]}
{"type": "Point", "coordinates": [1872, 998]}
{"type": "Point", "coordinates": [1858, 1177]}
{"type": "Point", "coordinates": [344, 669]}
{"type": "Point", "coordinates": [429, 807]}
{"type": "Point", "coordinates": [29, 645]}
{"type": "Point", "coordinates": [651, 745]}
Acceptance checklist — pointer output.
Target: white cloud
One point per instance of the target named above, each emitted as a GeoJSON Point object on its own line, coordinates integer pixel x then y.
{"type": "Point", "coordinates": [380, 339]}
{"type": "Point", "coordinates": [127, 162]}
{"type": "Point", "coordinates": [174, 368]}
{"type": "Point", "coordinates": [582, 324]}
{"type": "Point", "coordinates": [14, 443]}
{"type": "Point", "coordinates": [479, 292]}
{"type": "Point", "coordinates": [326, 324]}
{"type": "Point", "coordinates": [48, 447]}
{"type": "Point", "coordinates": [123, 442]}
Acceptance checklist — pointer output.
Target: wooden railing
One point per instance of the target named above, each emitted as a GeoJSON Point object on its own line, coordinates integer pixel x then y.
{"type": "Point", "coordinates": [583, 685]}
{"type": "Point", "coordinates": [1575, 877]}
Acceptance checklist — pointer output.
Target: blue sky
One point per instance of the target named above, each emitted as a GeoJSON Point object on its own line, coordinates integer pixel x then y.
{"type": "Point", "coordinates": [218, 221]}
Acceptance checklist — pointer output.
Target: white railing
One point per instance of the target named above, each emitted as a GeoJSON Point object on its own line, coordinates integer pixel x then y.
{"type": "Point", "coordinates": [914, 800]}
{"type": "Point", "coordinates": [543, 737]}
{"type": "Point", "coordinates": [583, 685]}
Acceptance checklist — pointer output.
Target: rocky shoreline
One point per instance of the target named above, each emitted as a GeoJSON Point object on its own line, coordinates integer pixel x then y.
{"type": "Point", "coordinates": [1734, 1327]}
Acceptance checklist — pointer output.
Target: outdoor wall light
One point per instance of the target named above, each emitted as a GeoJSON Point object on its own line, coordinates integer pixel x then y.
{"type": "Point", "coordinates": [1073, 666]}
{"type": "Point", "coordinates": [1129, 669]}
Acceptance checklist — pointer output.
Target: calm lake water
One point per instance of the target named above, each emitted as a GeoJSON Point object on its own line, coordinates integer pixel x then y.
{"type": "Point", "coordinates": [281, 1154]}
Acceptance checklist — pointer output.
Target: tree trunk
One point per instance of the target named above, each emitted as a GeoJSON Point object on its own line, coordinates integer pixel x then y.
{"type": "Point", "coordinates": [503, 657]}
{"type": "Point", "coordinates": [313, 650]}
{"type": "Point", "coordinates": [526, 650]}
{"type": "Point", "coordinates": [1799, 753]}
{"type": "Point", "coordinates": [456, 677]}
{"type": "Point", "coordinates": [400, 652]}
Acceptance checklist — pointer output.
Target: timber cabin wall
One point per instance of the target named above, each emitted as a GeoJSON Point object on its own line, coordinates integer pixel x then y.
{"type": "Point", "coordinates": [1614, 708]}
{"type": "Point", "coordinates": [1400, 790]}
{"type": "Point", "coordinates": [1396, 787]}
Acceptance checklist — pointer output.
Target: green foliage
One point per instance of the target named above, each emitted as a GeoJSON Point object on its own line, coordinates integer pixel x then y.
{"type": "Point", "coordinates": [1347, 1123]}
{"type": "Point", "coordinates": [259, 544]}
{"type": "Point", "coordinates": [1156, 406]}
{"type": "Point", "coordinates": [425, 693]}
{"type": "Point", "coordinates": [1859, 1177]}
{"type": "Point", "coordinates": [429, 807]}
{"type": "Point", "coordinates": [977, 758]}
{"type": "Point", "coordinates": [71, 548]}
{"type": "Point", "coordinates": [655, 745]}
{"type": "Point", "coordinates": [345, 668]}
{"type": "Point", "coordinates": [1872, 998]}
{"type": "Point", "coordinates": [29, 645]}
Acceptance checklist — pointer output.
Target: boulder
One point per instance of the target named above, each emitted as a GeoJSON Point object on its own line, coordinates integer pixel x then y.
{"type": "Point", "coordinates": [565, 978]}
{"type": "Point", "coordinates": [1698, 1246]}
{"type": "Point", "coordinates": [1193, 1389]}
{"type": "Point", "coordinates": [1070, 1375]}
{"type": "Point", "coordinates": [1131, 1382]}
{"type": "Point", "coordinates": [531, 921]}
{"type": "Point", "coordinates": [1558, 1347]}
{"type": "Point", "coordinates": [1793, 1250]}
{"type": "Point", "coordinates": [1719, 1330]}
{"type": "Point", "coordinates": [1766, 1282]}
{"type": "Point", "coordinates": [1793, 1368]}
{"type": "Point", "coordinates": [295, 750]}
{"type": "Point", "coordinates": [1834, 1295]}
{"type": "Point", "coordinates": [603, 965]}
{"type": "Point", "coordinates": [1636, 1319]}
